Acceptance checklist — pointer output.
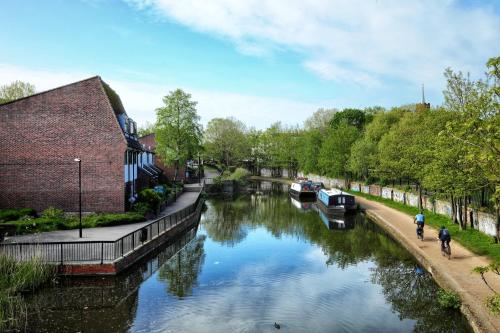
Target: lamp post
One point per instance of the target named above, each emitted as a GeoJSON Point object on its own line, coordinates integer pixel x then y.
{"type": "Point", "coordinates": [79, 193]}
{"type": "Point", "coordinates": [199, 169]}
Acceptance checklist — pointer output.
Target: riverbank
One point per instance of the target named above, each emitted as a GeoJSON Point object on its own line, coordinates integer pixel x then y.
{"type": "Point", "coordinates": [455, 274]}
{"type": "Point", "coordinates": [17, 277]}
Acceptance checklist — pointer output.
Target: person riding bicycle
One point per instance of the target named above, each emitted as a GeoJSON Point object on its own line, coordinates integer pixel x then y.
{"type": "Point", "coordinates": [444, 237]}
{"type": "Point", "coordinates": [420, 221]}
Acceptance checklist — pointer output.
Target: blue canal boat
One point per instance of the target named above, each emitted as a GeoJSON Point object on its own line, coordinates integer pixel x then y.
{"type": "Point", "coordinates": [336, 201]}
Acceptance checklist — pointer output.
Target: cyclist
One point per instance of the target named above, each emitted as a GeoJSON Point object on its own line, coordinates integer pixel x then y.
{"type": "Point", "coordinates": [444, 237]}
{"type": "Point", "coordinates": [420, 221]}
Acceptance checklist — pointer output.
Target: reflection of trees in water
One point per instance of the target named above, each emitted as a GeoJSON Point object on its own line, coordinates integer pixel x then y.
{"type": "Point", "coordinates": [96, 304]}
{"type": "Point", "coordinates": [182, 270]}
{"type": "Point", "coordinates": [411, 295]}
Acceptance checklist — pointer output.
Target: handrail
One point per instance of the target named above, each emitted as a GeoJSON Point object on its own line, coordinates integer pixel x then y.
{"type": "Point", "coordinates": [100, 251]}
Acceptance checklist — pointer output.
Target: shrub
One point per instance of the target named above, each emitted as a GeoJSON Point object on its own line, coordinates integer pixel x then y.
{"type": "Point", "coordinates": [141, 208]}
{"type": "Point", "coordinates": [53, 213]}
{"type": "Point", "coordinates": [104, 220]}
{"type": "Point", "coordinates": [240, 175]}
{"type": "Point", "coordinates": [15, 214]}
{"type": "Point", "coordinates": [493, 304]}
{"type": "Point", "coordinates": [448, 299]}
{"type": "Point", "coordinates": [151, 198]}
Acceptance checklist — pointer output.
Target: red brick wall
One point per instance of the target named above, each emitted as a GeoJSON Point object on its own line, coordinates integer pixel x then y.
{"type": "Point", "coordinates": [40, 137]}
{"type": "Point", "coordinates": [168, 171]}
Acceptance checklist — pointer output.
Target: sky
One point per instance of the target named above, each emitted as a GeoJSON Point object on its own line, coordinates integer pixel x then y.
{"type": "Point", "coordinates": [258, 61]}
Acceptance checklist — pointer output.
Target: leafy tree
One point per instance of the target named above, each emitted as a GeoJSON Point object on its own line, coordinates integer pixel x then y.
{"type": "Point", "coordinates": [225, 140]}
{"type": "Point", "coordinates": [178, 131]}
{"type": "Point", "coordinates": [311, 142]}
{"type": "Point", "coordinates": [353, 117]}
{"type": "Point", "coordinates": [147, 129]}
{"type": "Point", "coordinates": [16, 90]}
{"type": "Point", "coordinates": [365, 153]}
{"type": "Point", "coordinates": [336, 150]}
{"type": "Point", "coordinates": [320, 120]}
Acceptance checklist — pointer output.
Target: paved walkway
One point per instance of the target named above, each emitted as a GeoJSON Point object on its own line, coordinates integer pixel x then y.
{"type": "Point", "coordinates": [102, 233]}
{"type": "Point", "coordinates": [455, 273]}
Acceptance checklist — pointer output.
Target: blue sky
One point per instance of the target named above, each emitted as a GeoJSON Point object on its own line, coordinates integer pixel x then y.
{"type": "Point", "coordinates": [259, 61]}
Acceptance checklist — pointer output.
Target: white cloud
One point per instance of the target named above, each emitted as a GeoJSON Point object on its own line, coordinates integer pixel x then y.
{"type": "Point", "coordinates": [141, 99]}
{"type": "Point", "coordinates": [355, 41]}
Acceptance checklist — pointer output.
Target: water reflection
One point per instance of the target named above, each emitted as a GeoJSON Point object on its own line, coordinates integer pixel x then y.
{"type": "Point", "coordinates": [256, 260]}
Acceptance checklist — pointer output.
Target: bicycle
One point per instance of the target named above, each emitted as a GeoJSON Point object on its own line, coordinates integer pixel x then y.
{"type": "Point", "coordinates": [420, 233]}
{"type": "Point", "coordinates": [446, 249]}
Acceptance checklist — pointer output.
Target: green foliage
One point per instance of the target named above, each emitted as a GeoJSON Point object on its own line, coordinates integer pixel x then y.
{"type": "Point", "coordinates": [448, 299]}
{"type": "Point", "coordinates": [336, 149]}
{"type": "Point", "coordinates": [53, 213]}
{"type": "Point", "coordinates": [225, 140]}
{"type": "Point", "coordinates": [151, 198]}
{"type": "Point", "coordinates": [15, 214]}
{"type": "Point", "coordinates": [16, 277]}
{"type": "Point", "coordinates": [472, 239]}
{"type": "Point", "coordinates": [16, 90]}
{"type": "Point", "coordinates": [178, 131]}
{"type": "Point", "coordinates": [147, 129]}
{"type": "Point", "coordinates": [352, 117]}
{"type": "Point", "coordinates": [493, 304]}
{"type": "Point", "coordinates": [240, 175]}
{"type": "Point", "coordinates": [107, 220]}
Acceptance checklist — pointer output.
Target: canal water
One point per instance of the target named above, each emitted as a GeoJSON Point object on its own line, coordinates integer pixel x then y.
{"type": "Point", "coordinates": [253, 261]}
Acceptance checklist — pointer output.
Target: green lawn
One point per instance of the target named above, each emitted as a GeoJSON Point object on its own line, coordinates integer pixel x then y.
{"type": "Point", "coordinates": [472, 239]}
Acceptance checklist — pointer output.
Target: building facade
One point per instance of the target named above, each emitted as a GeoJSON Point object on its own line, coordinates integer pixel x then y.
{"type": "Point", "coordinates": [41, 135]}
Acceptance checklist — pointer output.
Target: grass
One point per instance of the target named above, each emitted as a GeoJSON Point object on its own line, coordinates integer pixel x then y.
{"type": "Point", "coordinates": [472, 239]}
{"type": "Point", "coordinates": [15, 278]}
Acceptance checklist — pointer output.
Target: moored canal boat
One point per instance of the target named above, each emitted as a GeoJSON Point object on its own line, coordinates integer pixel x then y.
{"type": "Point", "coordinates": [336, 201]}
{"type": "Point", "coordinates": [303, 189]}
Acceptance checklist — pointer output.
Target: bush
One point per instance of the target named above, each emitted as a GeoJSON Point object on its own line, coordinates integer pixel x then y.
{"type": "Point", "coordinates": [240, 175]}
{"type": "Point", "coordinates": [15, 214]}
{"type": "Point", "coordinates": [141, 208]}
{"type": "Point", "coordinates": [448, 299]}
{"type": "Point", "coordinates": [104, 220]}
{"type": "Point", "coordinates": [493, 304]}
{"type": "Point", "coordinates": [151, 198]}
{"type": "Point", "coordinates": [53, 213]}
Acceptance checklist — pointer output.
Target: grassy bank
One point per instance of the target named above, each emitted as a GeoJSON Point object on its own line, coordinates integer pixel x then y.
{"type": "Point", "coordinates": [15, 278]}
{"type": "Point", "coordinates": [472, 239]}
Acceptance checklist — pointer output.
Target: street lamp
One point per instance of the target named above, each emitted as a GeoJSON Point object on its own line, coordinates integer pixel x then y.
{"type": "Point", "coordinates": [79, 193]}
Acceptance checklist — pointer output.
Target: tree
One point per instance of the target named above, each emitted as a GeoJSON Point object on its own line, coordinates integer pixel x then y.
{"type": "Point", "coordinates": [178, 131]}
{"type": "Point", "coordinates": [147, 129]}
{"type": "Point", "coordinates": [336, 150]}
{"type": "Point", "coordinates": [475, 126]}
{"type": "Point", "coordinates": [365, 153]}
{"type": "Point", "coordinates": [16, 90]}
{"type": "Point", "coordinates": [353, 117]}
{"type": "Point", "coordinates": [320, 120]}
{"type": "Point", "coordinates": [225, 140]}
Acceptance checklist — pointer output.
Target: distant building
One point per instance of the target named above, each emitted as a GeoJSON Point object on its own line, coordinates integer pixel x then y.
{"type": "Point", "coordinates": [419, 107]}
{"type": "Point", "coordinates": [41, 135]}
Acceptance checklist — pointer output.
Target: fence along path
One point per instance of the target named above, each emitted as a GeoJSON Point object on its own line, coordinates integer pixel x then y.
{"type": "Point", "coordinates": [100, 245]}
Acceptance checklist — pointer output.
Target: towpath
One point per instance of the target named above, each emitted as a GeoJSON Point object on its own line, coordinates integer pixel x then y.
{"type": "Point", "coordinates": [455, 274]}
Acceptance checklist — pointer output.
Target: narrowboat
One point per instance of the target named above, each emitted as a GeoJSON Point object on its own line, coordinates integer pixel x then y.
{"type": "Point", "coordinates": [336, 201]}
{"type": "Point", "coordinates": [303, 189]}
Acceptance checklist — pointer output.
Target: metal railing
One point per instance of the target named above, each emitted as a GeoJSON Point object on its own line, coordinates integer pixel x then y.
{"type": "Point", "coordinates": [100, 251]}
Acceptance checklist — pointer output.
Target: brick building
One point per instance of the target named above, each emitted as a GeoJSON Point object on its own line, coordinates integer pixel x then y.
{"type": "Point", "coordinates": [41, 135]}
{"type": "Point", "coordinates": [148, 141]}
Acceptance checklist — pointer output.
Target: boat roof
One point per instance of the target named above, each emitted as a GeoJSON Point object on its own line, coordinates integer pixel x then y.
{"type": "Point", "coordinates": [335, 191]}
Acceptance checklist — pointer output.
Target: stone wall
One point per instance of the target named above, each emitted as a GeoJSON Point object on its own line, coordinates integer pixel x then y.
{"type": "Point", "coordinates": [481, 221]}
